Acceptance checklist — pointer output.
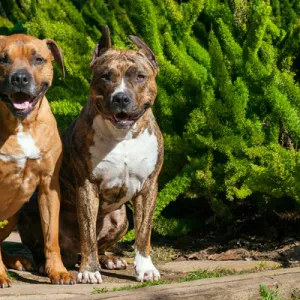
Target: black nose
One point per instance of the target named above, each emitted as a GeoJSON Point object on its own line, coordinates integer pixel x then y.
{"type": "Point", "coordinates": [121, 99]}
{"type": "Point", "coordinates": [20, 78]}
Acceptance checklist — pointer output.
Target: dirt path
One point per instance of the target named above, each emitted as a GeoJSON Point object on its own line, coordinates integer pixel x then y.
{"type": "Point", "coordinates": [241, 287]}
{"type": "Point", "coordinates": [32, 286]}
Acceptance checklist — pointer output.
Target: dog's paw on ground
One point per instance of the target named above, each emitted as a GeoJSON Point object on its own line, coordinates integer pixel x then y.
{"type": "Point", "coordinates": [61, 278]}
{"type": "Point", "coordinates": [112, 262]}
{"type": "Point", "coordinates": [89, 277]}
{"type": "Point", "coordinates": [147, 274]}
{"type": "Point", "coordinates": [4, 281]}
{"type": "Point", "coordinates": [144, 269]}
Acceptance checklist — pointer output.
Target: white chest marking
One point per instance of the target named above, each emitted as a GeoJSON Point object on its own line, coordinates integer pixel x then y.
{"type": "Point", "coordinates": [27, 144]}
{"type": "Point", "coordinates": [118, 159]}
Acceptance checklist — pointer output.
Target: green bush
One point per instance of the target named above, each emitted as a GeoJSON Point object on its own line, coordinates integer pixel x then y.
{"type": "Point", "coordinates": [228, 101]}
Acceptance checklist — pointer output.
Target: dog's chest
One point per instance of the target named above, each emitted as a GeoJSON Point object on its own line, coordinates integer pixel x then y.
{"type": "Point", "coordinates": [19, 148]}
{"type": "Point", "coordinates": [125, 163]}
{"type": "Point", "coordinates": [19, 170]}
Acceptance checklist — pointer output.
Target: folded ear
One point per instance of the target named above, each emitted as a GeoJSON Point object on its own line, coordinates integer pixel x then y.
{"type": "Point", "coordinates": [144, 48]}
{"type": "Point", "coordinates": [103, 45]}
{"type": "Point", "coordinates": [57, 54]}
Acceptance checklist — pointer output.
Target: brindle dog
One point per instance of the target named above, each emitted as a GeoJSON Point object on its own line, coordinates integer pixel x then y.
{"type": "Point", "coordinates": [113, 153]}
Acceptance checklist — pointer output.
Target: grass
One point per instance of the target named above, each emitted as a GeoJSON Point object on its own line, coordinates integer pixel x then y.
{"type": "Point", "coordinates": [268, 294]}
{"type": "Point", "coordinates": [131, 287]}
{"type": "Point", "coordinates": [12, 276]}
{"type": "Point", "coordinates": [203, 274]}
{"type": "Point", "coordinates": [195, 275]}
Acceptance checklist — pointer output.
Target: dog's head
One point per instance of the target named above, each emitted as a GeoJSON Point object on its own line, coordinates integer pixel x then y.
{"type": "Point", "coordinates": [123, 86]}
{"type": "Point", "coordinates": [26, 71]}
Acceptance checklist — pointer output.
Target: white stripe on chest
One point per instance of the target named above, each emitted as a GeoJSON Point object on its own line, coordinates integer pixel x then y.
{"type": "Point", "coordinates": [118, 159]}
{"type": "Point", "coordinates": [28, 147]}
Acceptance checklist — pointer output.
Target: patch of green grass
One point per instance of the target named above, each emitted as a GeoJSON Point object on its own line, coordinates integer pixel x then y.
{"type": "Point", "coordinates": [11, 276]}
{"type": "Point", "coordinates": [100, 291]}
{"type": "Point", "coordinates": [131, 287]}
{"type": "Point", "coordinates": [195, 275]}
{"type": "Point", "coordinates": [264, 265]}
{"type": "Point", "coordinates": [268, 294]}
{"type": "Point", "coordinates": [203, 274]}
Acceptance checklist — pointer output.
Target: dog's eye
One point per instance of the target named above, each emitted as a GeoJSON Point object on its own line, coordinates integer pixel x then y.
{"type": "Point", "coordinates": [39, 60]}
{"type": "Point", "coordinates": [105, 77]}
{"type": "Point", "coordinates": [140, 77]}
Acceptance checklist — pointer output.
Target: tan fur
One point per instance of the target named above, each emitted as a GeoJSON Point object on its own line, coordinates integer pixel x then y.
{"type": "Point", "coordinates": [18, 184]}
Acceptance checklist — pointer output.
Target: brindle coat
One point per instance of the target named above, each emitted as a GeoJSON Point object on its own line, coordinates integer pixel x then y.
{"type": "Point", "coordinates": [30, 146]}
{"type": "Point", "coordinates": [94, 186]}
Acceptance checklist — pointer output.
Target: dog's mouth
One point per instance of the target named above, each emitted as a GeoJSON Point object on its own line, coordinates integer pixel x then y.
{"type": "Point", "coordinates": [22, 101]}
{"type": "Point", "coordinates": [21, 104]}
{"type": "Point", "coordinates": [122, 120]}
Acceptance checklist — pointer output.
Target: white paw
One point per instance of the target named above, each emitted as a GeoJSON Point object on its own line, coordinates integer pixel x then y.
{"type": "Point", "coordinates": [89, 277]}
{"type": "Point", "coordinates": [144, 268]}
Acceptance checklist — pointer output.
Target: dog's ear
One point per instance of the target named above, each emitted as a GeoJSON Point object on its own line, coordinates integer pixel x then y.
{"type": "Point", "coordinates": [145, 49]}
{"type": "Point", "coordinates": [103, 45]}
{"type": "Point", "coordinates": [57, 54]}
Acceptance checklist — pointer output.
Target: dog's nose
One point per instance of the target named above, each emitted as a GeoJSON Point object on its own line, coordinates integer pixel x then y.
{"type": "Point", "coordinates": [121, 99]}
{"type": "Point", "coordinates": [20, 78]}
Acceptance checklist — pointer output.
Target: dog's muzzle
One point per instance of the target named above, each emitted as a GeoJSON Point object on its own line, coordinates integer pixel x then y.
{"type": "Point", "coordinates": [20, 93]}
{"type": "Point", "coordinates": [124, 119]}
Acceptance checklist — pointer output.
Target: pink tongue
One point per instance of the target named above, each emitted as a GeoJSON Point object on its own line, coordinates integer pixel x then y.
{"type": "Point", "coordinates": [21, 101]}
{"type": "Point", "coordinates": [24, 105]}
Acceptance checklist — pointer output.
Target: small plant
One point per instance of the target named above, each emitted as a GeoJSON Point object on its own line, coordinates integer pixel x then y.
{"type": "Point", "coordinates": [202, 274]}
{"type": "Point", "coordinates": [12, 276]}
{"type": "Point", "coordinates": [265, 265]}
{"type": "Point", "coordinates": [131, 287]}
{"type": "Point", "coordinates": [100, 291]}
{"type": "Point", "coordinates": [268, 294]}
{"type": "Point", "coordinates": [3, 224]}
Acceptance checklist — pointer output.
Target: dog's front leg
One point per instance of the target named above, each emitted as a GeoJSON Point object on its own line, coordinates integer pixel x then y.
{"type": "Point", "coordinates": [87, 211]}
{"type": "Point", "coordinates": [49, 206]}
{"type": "Point", "coordinates": [144, 205]}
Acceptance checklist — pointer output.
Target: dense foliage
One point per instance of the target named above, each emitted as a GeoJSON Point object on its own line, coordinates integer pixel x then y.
{"type": "Point", "coordinates": [228, 101]}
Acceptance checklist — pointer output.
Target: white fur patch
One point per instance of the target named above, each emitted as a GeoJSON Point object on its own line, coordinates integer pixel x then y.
{"type": "Point", "coordinates": [27, 144]}
{"type": "Point", "coordinates": [144, 268]}
{"type": "Point", "coordinates": [119, 159]}
{"type": "Point", "coordinates": [120, 88]}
